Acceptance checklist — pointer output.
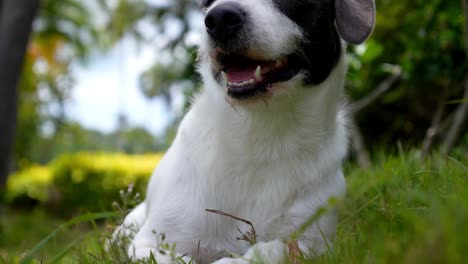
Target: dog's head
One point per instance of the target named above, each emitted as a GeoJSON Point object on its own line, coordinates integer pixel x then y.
{"type": "Point", "coordinates": [253, 48]}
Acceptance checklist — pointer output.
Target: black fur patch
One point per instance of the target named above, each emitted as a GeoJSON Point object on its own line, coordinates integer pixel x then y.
{"type": "Point", "coordinates": [322, 48]}
{"type": "Point", "coordinates": [206, 3]}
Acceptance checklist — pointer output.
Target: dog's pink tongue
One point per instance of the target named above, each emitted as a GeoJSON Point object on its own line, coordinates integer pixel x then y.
{"type": "Point", "coordinates": [241, 75]}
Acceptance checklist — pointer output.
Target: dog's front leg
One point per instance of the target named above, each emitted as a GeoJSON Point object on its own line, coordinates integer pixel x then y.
{"type": "Point", "coordinates": [146, 253]}
{"type": "Point", "coordinates": [147, 244]}
{"type": "Point", "coordinates": [274, 252]}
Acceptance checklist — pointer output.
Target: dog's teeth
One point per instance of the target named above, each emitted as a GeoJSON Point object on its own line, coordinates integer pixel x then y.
{"type": "Point", "coordinates": [258, 73]}
{"type": "Point", "coordinates": [241, 84]}
{"type": "Point", "coordinates": [224, 75]}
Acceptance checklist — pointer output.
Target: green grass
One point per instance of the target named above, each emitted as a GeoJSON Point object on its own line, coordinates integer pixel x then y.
{"type": "Point", "coordinates": [402, 210]}
{"type": "Point", "coordinates": [21, 230]}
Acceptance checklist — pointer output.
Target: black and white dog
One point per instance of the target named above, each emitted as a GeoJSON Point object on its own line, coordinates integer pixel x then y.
{"type": "Point", "coordinates": [264, 140]}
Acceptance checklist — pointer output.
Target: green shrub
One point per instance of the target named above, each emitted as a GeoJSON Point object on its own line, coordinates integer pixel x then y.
{"type": "Point", "coordinates": [93, 181]}
{"type": "Point", "coordinates": [82, 181]}
{"type": "Point", "coordinates": [32, 183]}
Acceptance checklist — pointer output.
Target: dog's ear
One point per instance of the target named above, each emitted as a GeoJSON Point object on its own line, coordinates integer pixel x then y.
{"type": "Point", "coordinates": [355, 19]}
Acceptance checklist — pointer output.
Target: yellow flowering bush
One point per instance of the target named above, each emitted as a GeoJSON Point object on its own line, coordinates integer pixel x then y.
{"type": "Point", "coordinates": [83, 181]}
{"type": "Point", "coordinates": [33, 182]}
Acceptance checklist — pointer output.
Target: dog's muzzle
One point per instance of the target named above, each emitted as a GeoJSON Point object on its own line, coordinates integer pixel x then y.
{"type": "Point", "coordinates": [224, 21]}
{"type": "Point", "coordinates": [229, 28]}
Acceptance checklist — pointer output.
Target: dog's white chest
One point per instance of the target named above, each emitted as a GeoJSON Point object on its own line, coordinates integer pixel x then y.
{"type": "Point", "coordinates": [252, 180]}
{"type": "Point", "coordinates": [180, 206]}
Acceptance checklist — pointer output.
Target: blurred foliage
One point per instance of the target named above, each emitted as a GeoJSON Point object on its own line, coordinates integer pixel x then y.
{"type": "Point", "coordinates": [30, 184]}
{"type": "Point", "coordinates": [23, 229]}
{"type": "Point", "coordinates": [181, 71]}
{"type": "Point", "coordinates": [425, 38]}
{"type": "Point", "coordinates": [81, 181]}
{"type": "Point", "coordinates": [72, 138]}
{"type": "Point", "coordinates": [63, 33]}
{"type": "Point", "coordinates": [177, 64]}
{"type": "Point", "coordinates": [66, 33]}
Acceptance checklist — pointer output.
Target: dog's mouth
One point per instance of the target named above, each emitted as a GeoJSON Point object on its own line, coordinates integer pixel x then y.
{"type": "Point", "coordinates": [247, 78]}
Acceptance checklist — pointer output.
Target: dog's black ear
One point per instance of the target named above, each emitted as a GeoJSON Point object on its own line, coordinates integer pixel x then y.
{"type": "Point", "coordinates": [355, 19]}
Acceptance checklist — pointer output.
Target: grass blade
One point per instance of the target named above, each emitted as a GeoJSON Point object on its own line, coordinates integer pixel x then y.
{"type": "Point", "coordinates": [72, 222]}
{"type": "Point", "coordinates": [64, 252]}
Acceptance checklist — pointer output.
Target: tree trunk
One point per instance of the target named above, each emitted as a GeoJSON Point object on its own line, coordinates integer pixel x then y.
{"type": "Point", "coordinates": [16, 17]}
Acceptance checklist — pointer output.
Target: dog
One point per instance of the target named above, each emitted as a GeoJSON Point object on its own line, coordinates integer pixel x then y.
{"type": "Point", "coordinates": [264, 140]}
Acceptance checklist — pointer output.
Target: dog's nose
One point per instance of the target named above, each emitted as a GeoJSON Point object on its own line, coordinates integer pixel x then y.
{"type": "Point", "coordinates": [224, 20]}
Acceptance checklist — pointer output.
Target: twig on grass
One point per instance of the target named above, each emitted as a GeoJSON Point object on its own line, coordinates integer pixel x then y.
{"type": "Point", "coordinates": [250, 237]}
{"type": "Point", "coordinates": [294, 252]}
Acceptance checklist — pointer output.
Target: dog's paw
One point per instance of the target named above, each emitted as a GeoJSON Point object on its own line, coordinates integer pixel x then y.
{"type": "Point", "coordinates": [274, 252]}
{"type": "Point", "coordinates": [160, 256]}
{"type": "Point", "coordinates": [231, 261]}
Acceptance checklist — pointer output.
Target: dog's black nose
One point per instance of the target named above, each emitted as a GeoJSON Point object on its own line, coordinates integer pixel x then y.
{"type": "Point", "coordinates": [223, 21]}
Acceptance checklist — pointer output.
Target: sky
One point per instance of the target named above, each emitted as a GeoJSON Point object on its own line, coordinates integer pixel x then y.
{"type": "Point", "coordinates": [108, 85]}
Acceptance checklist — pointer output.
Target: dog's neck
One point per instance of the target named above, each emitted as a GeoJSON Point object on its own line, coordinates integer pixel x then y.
{"type": "Point", "coordinates": [305, 117]}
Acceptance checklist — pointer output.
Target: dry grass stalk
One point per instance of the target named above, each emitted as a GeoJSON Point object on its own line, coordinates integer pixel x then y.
{"type": "Point", "coordinates": [294, 252]}
{"type": "Point", "coordinates": [250, 237]}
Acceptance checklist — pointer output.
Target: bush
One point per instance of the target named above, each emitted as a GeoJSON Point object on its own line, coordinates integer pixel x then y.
{"type": "Point", "coordinates": [82, 181]}
{"type": "Point", "coordinates": [29, 184]}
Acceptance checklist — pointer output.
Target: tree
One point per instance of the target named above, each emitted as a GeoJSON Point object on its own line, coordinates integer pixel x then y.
{"type": "Point", "coordinates": [462, 111]}
{"type": "Point", "coordinates": [64, 30]}
{"type": "Point", "coordinates": [425, 40]}
{"type": "Point", "coordinates": [65, 33]}
{"type": "Point", "coordinates": [16, 17]}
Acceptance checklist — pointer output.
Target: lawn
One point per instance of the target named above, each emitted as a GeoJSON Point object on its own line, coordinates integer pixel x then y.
{"type": "Point", "coordinates": [402, 210]}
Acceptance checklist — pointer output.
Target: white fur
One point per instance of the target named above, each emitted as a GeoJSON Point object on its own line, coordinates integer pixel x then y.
{"type": "Point", "coordinates": [273, 163]}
